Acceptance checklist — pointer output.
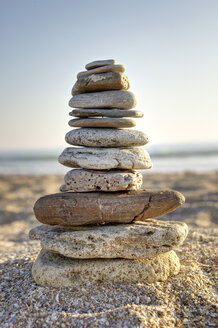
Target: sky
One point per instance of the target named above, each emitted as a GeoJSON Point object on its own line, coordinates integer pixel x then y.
{"type": "Point", "coordinates": [169, 48]}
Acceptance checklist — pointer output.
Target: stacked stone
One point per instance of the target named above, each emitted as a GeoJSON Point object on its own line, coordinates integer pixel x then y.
{"type": "Point", "coordinates": [100, 227]}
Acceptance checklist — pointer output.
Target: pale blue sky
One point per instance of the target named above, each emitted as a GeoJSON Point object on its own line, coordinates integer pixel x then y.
{"type": "Point", "coordinates": [170, 49]}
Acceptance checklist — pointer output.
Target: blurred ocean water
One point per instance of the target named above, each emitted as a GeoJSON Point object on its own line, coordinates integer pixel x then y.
{"type": "Point", "coordinates": [165, 158]}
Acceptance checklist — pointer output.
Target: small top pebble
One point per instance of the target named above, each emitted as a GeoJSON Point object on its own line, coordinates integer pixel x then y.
{"type": "Point", "coordinates": [99, 63]}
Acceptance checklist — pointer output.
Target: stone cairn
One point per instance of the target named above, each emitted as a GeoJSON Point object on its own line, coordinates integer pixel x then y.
{"type": "Point", "coordinates": [100, 226]}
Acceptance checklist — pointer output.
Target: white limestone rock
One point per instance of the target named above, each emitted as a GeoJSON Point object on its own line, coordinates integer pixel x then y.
{"type": "Point", "coordinates": [104, 99]}
{"type": "Point", "coordinates": [138, 240]}
{"type": "Point", "coordinates": [105, 158]}
{"type": "Point", "coordinates": [107, 137]}
{"type": "Point", "coordinates": [80, 180]}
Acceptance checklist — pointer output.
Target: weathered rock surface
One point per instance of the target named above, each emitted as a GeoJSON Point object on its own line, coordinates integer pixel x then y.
{"type": "Point", "coordinates": [78, 180]}
{"type": "Point", "coordinates": [101, 82]}
{"type": "Point", "coordinates": [99, 63]}
{"type": "Point", "coordinates": [97, 137]}
{"type": "Point", "coordinates": [84, 112]}
{"type": "Point", "coordinates": [73, 209]}
{"type": "Point", "coordinates": [54, 270]}
{"type": "Point", "coordinates": [103, 69]}
{"type": "Point", "coordinates": [104, 99]}
{"type": "Point", "coordinates": [138, 240]}
{"type": "Point", "coordinates": [103, 123]}
{"type": "Point", "coordinates": [105, 158]}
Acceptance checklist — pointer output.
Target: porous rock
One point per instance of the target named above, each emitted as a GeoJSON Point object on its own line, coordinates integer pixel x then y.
{"type": "Point", "coordinates": [105, 158]}
{"type": "Point", "coordinates": [74, 209]}
{"type": "Point", "coordinates": [104, 99]}
{"type": "Point", "coordinates": [138, 240]}
{"type": "Point", "coordinates": [101, 82]}
{"type": "Point", "coordinates": [78, 180]}
{"type": "Point", "coordinates": [54, 270]}
{"type": "Point", "coordinates": [97, 137]}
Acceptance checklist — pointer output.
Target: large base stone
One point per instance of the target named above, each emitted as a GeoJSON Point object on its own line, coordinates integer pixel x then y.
{"type": "Point", "coordinates": [138, 240]}
{"type": "Point", "coordinates": [54, 270]}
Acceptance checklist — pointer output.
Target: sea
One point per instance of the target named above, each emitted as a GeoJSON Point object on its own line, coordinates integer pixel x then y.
{"type": "Point", "coordinates": [165, 158]}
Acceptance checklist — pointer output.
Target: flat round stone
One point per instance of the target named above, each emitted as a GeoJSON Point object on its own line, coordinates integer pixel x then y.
{"type": "Point", "coordinates": [103, 123]}
{"type": "Point", "coordinates": [73, 209]}
{"type": "Point", "coordinates": [104, 99]}
{"type": "Point", "coordinates": [105, 158]}
{"type": "Point", "coordinates": [103, 69]}
{"type": "Point", "coordinates": [80, 180]}
{"type": "Point", "coordinates": [99, 63]}
{"type": "Point", "coordinates": [54, 270]}
{"type": "Point", "coordinates": [97, 137]}
{"type": "Point", "coordinates": [90, 112]}
{"type": "Point", "coordinates": [138, 240]}
{"type": "Point", "coordinates": [101, 82]}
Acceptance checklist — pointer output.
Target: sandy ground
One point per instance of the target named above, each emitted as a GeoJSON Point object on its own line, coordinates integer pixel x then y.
{"type": "Point", "coordinates": [186, 300]}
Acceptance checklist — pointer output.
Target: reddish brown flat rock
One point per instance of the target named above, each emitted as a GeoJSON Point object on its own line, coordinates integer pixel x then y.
{"type": "Point", "coordinates": [73, 209]}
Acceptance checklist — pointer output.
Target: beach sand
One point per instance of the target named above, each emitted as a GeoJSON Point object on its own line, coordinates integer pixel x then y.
{"type": "Point", "coordinates": [186, 300]}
